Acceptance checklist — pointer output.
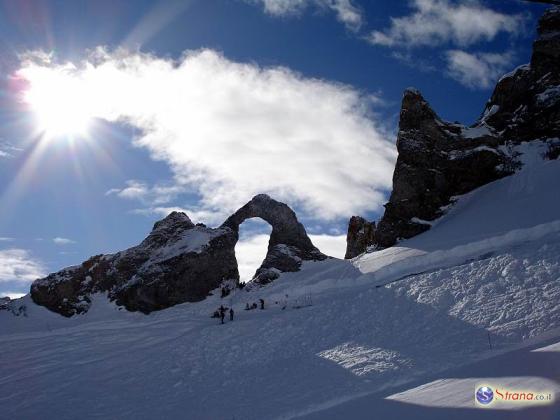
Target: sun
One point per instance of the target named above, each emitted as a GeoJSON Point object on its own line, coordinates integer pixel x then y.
{"type": "Point", "coordinates": [59, 102]}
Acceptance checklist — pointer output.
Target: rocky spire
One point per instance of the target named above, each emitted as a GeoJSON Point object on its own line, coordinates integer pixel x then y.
{"type": "Point", "coordinates": [546, 48]}
{"type": "Point", "coordinates": [361, 235]}
{"type": "Point", "coordinates": [438, 160]}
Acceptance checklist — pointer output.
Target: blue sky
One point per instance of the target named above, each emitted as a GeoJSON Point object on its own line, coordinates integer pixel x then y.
{"type": "Point", "coordinates": [115, 112]}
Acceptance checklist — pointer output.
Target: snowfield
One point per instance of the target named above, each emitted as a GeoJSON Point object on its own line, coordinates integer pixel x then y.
{"type": "Point", "coordinates": [407, 332]}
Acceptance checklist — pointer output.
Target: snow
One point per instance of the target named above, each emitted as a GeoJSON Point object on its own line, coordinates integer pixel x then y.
{"type": "Point", "coordinates": [191, 240]}
{"type": "Point", "coordinates": [451, 396]}
{"type": "Point", "coordinates": [461, 154]}
{"type": "Point", "coordinates": [549, 97]}
{"type": "Point", "coordinates": [497, 215]}
{"type": "Point", "coordinates": [521, 68]}
{"type": "Point", "coordinates": [481, 130]}
{"type": "Point", "coordinates": [342, 347]}
{"type": "Point", "coordinates": [421, 221]}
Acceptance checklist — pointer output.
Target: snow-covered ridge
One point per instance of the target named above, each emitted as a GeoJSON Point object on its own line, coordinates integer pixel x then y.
{"type": "Point", "coordinates": [192, 240]}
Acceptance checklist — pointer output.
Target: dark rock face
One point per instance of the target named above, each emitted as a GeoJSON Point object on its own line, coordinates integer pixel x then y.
{"type": "Point", "coordinates": [361, 234]}
{"type": "Point", "coordinates": [439, 160]}
{"type": "Point", "coordinates": [4, 303]}
{"type": "Point", "coordinates": [289, 244]}
{"type": "Point", "coordinates": [178, 262]}
{"type": "Point", "coordinates": [525, 103]}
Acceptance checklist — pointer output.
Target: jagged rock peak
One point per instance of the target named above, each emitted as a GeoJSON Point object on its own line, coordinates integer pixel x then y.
{"type": "Point", "coordinates": [173, 220]}
{"type": "Point", "coordinates": [178, 262]}
{"type": "Point", "coordinates": [439, 160]}
{"type": "Point", "coordinates": [549, 23]}
{"type": "Point", "coordinates": [361, 234]}
{"type": "Point", "coordinates": [546, 49]}
{"type": "Point", "coordinates": [415, 110]}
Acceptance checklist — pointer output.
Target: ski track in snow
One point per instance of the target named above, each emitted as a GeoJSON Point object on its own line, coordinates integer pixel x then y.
{"type": "Point", "coordinates": [490, 271]}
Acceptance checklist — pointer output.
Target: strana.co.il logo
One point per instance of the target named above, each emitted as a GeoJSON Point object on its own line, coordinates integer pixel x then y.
{"type": "Point", "coordinates": [484, 395]}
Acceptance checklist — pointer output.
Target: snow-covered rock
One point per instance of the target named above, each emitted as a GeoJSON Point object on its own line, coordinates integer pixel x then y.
{"type": "Point", "coordinates": [178, 262]}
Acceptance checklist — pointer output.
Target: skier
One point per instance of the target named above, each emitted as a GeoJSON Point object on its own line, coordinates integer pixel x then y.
{"type": "Point", "coordinates": [247, 308]}
{"type": "Point", "coordinates": [262, 303]}
{"type": "Point", "coordinates": [231, 314]}
{"type": "Point", "coordinates": [222, 313]}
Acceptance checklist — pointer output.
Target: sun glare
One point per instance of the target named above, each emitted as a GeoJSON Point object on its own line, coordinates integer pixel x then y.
{"type": "Point", "coordinates": [59, 102]}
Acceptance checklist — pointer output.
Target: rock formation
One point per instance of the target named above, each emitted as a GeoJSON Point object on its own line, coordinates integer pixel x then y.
{"type": "Point", "coordinates": [439, 160]}
{"type": "Point", "coordinates": [289, 244]}
{"type": "Point", "coordinates": [178, 262]}
{"type": "Point", "coordinates": [361, 234]}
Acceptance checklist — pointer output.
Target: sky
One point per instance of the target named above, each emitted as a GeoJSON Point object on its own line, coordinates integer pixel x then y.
{"type": "Point", "coordinates": [114, 113]}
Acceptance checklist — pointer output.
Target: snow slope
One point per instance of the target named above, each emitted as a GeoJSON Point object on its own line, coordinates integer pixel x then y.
{"type": "Point", "coordinates": [534, 368]}
{"type": "Point", "coordinates": [503, 213]}
{"type": "Point", "coordinates": [487, 270]}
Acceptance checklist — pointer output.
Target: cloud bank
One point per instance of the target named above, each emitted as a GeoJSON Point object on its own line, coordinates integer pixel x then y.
{"type": "Point", "coordinates": [7, 150]}
{"type": "Point", "coordinates": [451, 23]}
{"type": "Point", "coordinates": [63, 241]}
{"type": "Point", "coordinates": [434, 22]}
{"type": "Point", "coordinates": [230, 130]}
{"type": "Point", "coordinates": [17, 265]}
{"type": "Point", "coordinates": [477, 70]}
{"type": "Point", "coordinates": [346, 12]}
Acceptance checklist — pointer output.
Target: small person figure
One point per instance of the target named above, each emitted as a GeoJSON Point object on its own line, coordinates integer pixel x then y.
{"type": "Point", "coordinates": [222, 313]}
{"type": "Point", "coordinates": [231, 314]}
{"type": "Point", "coordinates": [247, 308]}
{"type": "Point", "coordinates": [254, 306]}
{"type": "Point", "coordinates": [262, 303]}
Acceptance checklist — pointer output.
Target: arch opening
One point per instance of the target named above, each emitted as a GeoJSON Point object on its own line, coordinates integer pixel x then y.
{"type": "Point", "coordinates": [252, 247]}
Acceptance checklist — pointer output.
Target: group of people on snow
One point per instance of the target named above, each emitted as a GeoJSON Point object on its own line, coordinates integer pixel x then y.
{"type": "Point", "coordinates": [222, 310]}
{"type": "Point", "coordinates": [254, 305]}
{"type": "Point", "coordinates": [221, 313]}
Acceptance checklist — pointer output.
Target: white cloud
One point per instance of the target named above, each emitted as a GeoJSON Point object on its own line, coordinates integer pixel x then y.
{"type": "Point", "coordinates": [230, 130]}
{"type": "Point", "coordinates": [434, 22]}
{"type": "Point", "coordinates": [18, 265]}
{"type": "Point", "coordinates": [4, 239]}
{"type": "Point", "coordinates": [251, 251]}
{"type": "Point", "coordinates": [346, 12]}
{"type": "Point", "coordinates": [332, 245]}
{"type": "Point", "coordinates": [7, 150]}
{"type": "Point", "coordinates": [133, 190]}
{"type": "Point", "coordinates": [12, 295]}
{"type": "Point", "coordinates": [63, 241]}
{"type": "Point", "coordinates": [155, 195]}
{"type": "Point", "coordinates": [477, 70]}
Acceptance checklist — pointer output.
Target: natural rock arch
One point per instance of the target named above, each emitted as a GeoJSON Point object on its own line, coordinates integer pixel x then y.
{"type": "Point", "coordinates": [289, 244]}
{"type": "Point", "coordinates": [178, 262]}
